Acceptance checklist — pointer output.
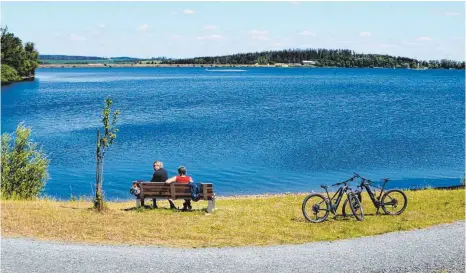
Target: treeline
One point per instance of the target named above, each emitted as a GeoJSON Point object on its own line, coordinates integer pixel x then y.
{"type": "Point", "coordinates": [319, 58]}
{"type": "Point", "coordinates": [68, 57]}
{"type": "Point", "coordinates": [18, 62]}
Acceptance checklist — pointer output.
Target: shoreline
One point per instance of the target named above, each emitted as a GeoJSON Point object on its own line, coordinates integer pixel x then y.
{"type": "Point", "coordinates": [247, 196]}
{"type": "Point", "coordinates": [101, 65]}
{"type": "Point", "coordinates": [23, 79]}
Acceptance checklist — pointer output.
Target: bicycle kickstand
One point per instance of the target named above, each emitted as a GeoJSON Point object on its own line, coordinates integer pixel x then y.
{"type": "Point", "coordinates": [377, 212]}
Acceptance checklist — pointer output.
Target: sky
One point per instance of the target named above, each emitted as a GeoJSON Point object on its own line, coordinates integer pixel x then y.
{"type": "Point", "coordinates": [421, 30]}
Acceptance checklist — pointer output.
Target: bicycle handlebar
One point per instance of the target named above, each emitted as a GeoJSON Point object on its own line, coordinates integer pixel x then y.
{"type": "Point", "coordinates": [346, 181]}
{"type": "Point", "coordinates": [364, 181]}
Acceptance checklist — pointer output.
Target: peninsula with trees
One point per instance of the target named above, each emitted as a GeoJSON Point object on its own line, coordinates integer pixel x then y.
{"type": "Point", "coordinates": [344, 58]}
{"type": "Point", "coordinates": [18, 62]}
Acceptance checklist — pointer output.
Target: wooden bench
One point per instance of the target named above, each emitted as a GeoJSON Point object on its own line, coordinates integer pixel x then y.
{"type": "Point", "coordinates": [161, 190]}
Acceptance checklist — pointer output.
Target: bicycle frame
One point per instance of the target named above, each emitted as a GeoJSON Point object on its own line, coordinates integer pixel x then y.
{"type": "Point", "coordinates": [375, 199]}
{"type": "Point", "coordinates": [334, 204]}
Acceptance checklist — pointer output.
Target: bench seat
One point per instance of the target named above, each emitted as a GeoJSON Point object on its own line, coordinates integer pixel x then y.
{"type": "Point", "coordinates": [161, 190]}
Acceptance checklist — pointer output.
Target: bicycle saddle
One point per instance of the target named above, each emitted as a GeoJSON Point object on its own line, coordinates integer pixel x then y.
{"type": "Point", "coordinates": [385, 179]}
{"type": "Point", "coordinates": [323, 186]}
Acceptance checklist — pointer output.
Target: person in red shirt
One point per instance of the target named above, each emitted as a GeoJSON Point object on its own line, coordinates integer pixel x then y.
{"type": "Point", "coordinates": [182, 178]}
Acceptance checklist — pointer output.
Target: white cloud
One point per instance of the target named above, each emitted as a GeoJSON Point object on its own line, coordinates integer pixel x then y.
{"type": "Point", "coordinates": [260, 37]}
{"type": "Point", "coordinates": [364, 34]}
{"type": "Point", "coordinates": [409, 43]}
{"type": "Point", "coordinates": [75, 37]}
{"type": "Point", "coordinates": [175, 37]}
{"type": "Point", "coordinates": [143, 27]}
{"type": "Point", "coordinates": [173, 12]}
{"type": "Point", "coordinates": [294, 2]}
{"type": "Point", "coordinates": [210, 27]}
{"type": "Point", "coordinates": [102, 26]}
{"type": "Point", "coordinates": [188, 11]}
{"type": "Point", "coordinates": [425, 38]}
{"type": "Point", "coordinates": [57, 34]}
{"type": "Point", "coordinates": [307, 33]}
{"type": "Point", "coordinates": [388, 46]}
{"type": "Point", "coordinates": [347, 42]}
{"type": "Point", "coordinates": [451, 13]}
{"type": "Point", "coordinates": [212, 37]}
{"type": "Point", "coordinates": [258, 32]}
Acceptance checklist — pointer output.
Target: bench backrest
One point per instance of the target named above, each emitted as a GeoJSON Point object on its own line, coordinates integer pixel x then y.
{"type": "Point", "coordinates": [173, 190]}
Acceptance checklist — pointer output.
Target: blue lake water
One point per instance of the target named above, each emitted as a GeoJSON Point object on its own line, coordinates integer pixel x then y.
{"type": "Point", "coordinates": [264, 130]}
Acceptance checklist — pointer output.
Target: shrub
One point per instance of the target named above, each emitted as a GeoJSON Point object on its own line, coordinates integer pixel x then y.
{"type": "Point", "coordinates": [24, 166]}
{"type": "Point", "coordinates": [9, 74]}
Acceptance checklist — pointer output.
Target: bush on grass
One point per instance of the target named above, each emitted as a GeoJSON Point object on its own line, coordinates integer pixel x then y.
{"type": "Point", "coordinates": [24, 165]}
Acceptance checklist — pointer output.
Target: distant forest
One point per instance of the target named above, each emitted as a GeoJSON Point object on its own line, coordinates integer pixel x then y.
{"type": "Point", "coordinates": [320, 58]}
{"type": "Point", "coordinates": [292, 57]}
{"type": "Point", "coordinates": [70, 59]}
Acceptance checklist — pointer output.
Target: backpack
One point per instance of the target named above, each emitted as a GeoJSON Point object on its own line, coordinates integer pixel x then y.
{"type": "Point", "coordinates": [195, 191]}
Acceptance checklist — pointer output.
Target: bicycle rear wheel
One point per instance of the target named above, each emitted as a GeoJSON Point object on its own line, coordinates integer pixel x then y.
{"type": "Point", "coordinates": [356, 206]}
{"type": "Point", "coordinates": [394, 202]}
{"type": "Point", "coordinates": [315, 208]}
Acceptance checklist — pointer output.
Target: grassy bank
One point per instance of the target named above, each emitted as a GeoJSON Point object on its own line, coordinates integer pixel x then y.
{"type": "Point", "coordinates": [236, 222]}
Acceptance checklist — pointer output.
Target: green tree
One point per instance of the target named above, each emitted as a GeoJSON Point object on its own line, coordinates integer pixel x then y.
{"type": "Point", "coordinates": [32, 56]}
{"type": "Point", "coordinates": [24, 165]}
{"type": "Point", "coordinates": [9, 74]}
{"type": "Point", "coordinates": [103, 142]}
{"type": "Point", "coordinates": [24, 60]}
{"type": "Point", "coordinates": [262, 60]}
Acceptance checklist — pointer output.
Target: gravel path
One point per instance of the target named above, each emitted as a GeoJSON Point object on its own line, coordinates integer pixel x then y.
{"type": "Point", "coordinates": [435, 249]}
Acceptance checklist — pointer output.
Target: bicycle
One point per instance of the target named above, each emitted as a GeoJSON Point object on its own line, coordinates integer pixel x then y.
{"type": "Point", "coordinates": [389, 201]}
{"type": "Point", "coordinates": [320, 206]}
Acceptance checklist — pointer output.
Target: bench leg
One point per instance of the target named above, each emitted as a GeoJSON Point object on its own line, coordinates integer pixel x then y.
{"type": "Point", "coordinates": [138, 202]}
{"type": "Point", "coordinates": [211, 206]}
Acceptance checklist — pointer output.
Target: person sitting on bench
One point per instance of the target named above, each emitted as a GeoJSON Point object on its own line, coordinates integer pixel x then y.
{"type": "Point", "coordinates": [182, 178]}
{"type": "Point", "coordinates": [160, 175]}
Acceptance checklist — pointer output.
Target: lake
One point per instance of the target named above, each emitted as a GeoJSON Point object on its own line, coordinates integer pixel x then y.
{"type": "Point", "coordinates": [262, 130]}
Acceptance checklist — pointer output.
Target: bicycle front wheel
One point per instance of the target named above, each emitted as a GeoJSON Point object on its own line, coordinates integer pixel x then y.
{"type": "Point", "coordinates": [356, 206]}
{"type": "Point", "coordinates": [346, 210]}
{"type": "Point", "coordinates": [394, 202]}
{"type": "Point", "coordinates": [315, 208]}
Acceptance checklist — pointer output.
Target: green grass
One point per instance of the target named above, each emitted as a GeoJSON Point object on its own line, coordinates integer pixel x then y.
{"type": "Point", "coordinates": [241, 221]}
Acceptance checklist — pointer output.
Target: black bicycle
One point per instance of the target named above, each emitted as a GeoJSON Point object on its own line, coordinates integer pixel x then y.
{"type": "Point", "coordinates": [392, 202]}
{"type": "Point", "coordinates": [316, 207]}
